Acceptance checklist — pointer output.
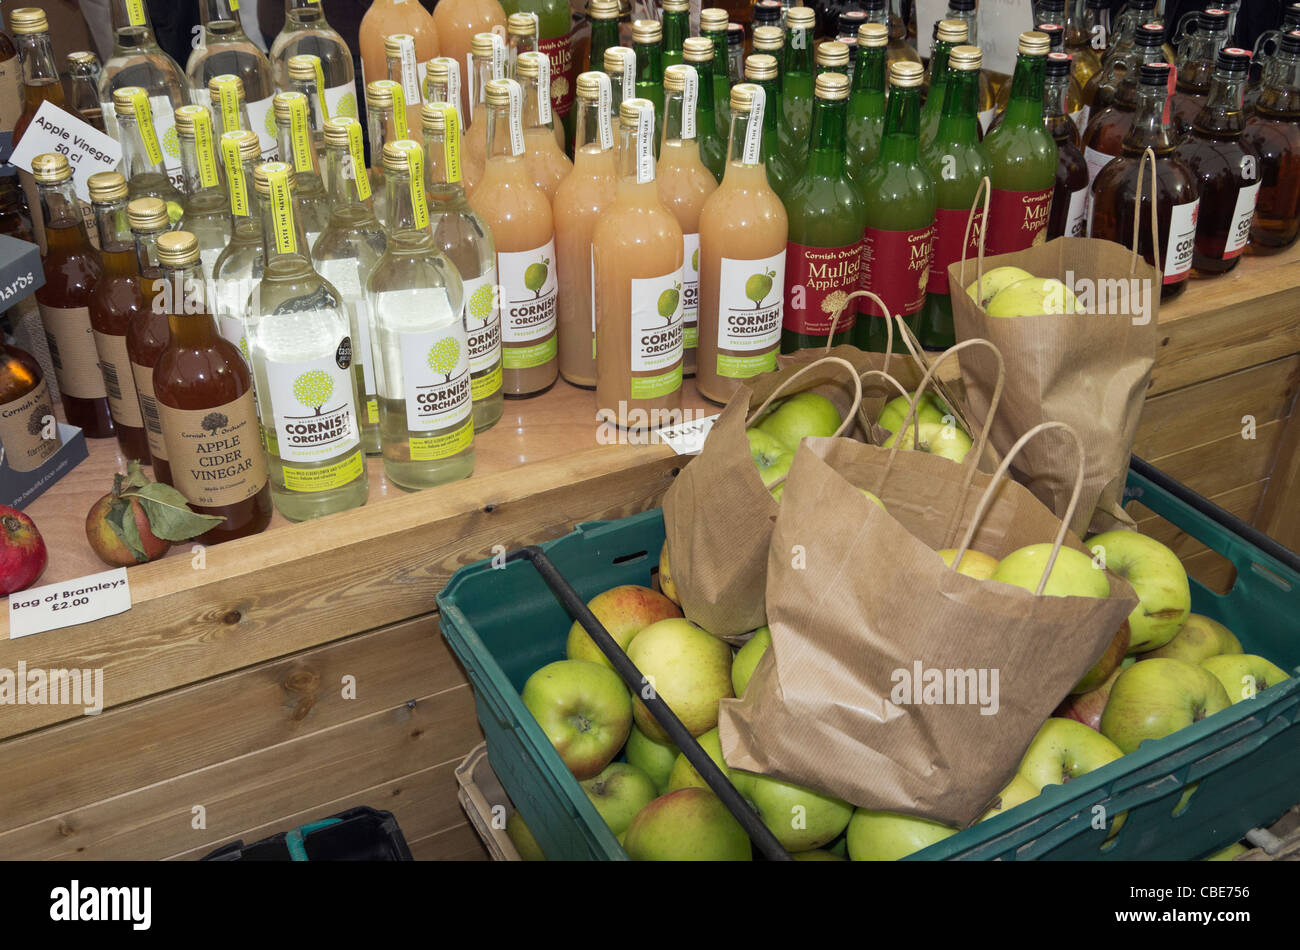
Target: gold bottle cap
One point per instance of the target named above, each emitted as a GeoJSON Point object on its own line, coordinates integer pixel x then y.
{"type": "Point", "coordinates": [397, 154]}
{"type": "Point", "coordinates": [148, 214]}
{"type": "Point", "coordinates": [283, 102]}
{"type": "Point", "coordinates": [587, 86]}
{"type": "Point", "coordinates": [178, 249]}
{"type": "Point", "coordinates": [832, 54]}
{"type": "Point", "coordinates": [742, 95]}
{"type": "Point", "coordinates": [714, 19]}
{"type": "Point", "coordinates": [497, 93]}
{"type": "Point", "coordinates": [393, 44]}
{"type": "Point", "coordinates": [527, 65]}
{"type": "Point", "coordinates": [873, 34]}
{"type": "Point", "coordinates": [226, 81]}
{"type": "Point", "coordinates": [799, 18]}
{"type": "Point", "coordinates": [1033, 43]}
{"type": "Point", "coordinates": [82, 58]}
{"type": "Point", "coordinates": [186, 116]}
{"type": "Point", "coordinates": [952, 31]}
{"type": "Point", "coordinates": [966, 57]}
{"type": "Point", "coordinates": [675, 79]}
{"type": "Point", "coordinates": [106, 186]}
{"type": "Point", "coordinates": [379, 94]}
{"type": "Point", "coordinates": [697, 49]}
{"type": "Point", "coordinates": [27, 21]}
{"type": "Point", "coordinates": [480, 47]}
{"type": "Point", "coordinates": [250, 148]}
{"type": "Point", "coordinates": [263, 172]}
{"type": "Point", "coordinates": [122, 104]}
{"type": "Point", "coordinates": [337, 129]}
{"type": "Point", "coordinates": [647, 31]}
{"type": "Point", "coordinates": [677, 6]}
{"type": "Point", "coordinates": [769, 38]}
{"type": "Point", "coordinates": [438, 68]}
{"type": "Point", "coordinates": [905, 75]}
{"type": "Point", "coordinates": [629, 111]}
{"type": "Point", "coordinates": [603, 9]}
{"type": "Point", "coordinates": [51, 168]}
{"type": "Point", "coordinates": [433, 117]}
{"type": "Point", "coordinates": [521, 24]}
{"type": "Point", "coordinates": [760, 66]}
{"type": "Point", "coordinates": [614, 60]}
{"type": "Point", "coordinates": [303, 66]}
{"type": "Point", "coordinates": [831, 86]}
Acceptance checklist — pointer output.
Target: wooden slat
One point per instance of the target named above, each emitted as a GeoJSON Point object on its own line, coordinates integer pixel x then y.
{"type": "Point", "coordinates": [1217, 467]}
{"type": "Point", "coordinates": [460, 843]}
{"type": "Point", "coordinates": [1279, 514]}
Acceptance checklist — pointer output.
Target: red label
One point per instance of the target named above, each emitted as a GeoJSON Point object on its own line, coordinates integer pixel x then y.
{"type": "Point", "coordinates": [1017, 220]}
{"type": "Point", "coordinates": [949, 229]}
{"type": "Point", "coordinates": [560, 52]}
{"type": "Point", "coordinates": [817, 282]}
{"type": "Point", "coordinates": [896, 268]}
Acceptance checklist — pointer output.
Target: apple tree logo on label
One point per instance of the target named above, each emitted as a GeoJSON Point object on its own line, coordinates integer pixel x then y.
{"type": "Point", "coordinates": [758, 286]}
{"type": "Point", "coordinates": [668, 301]}
{"type": "Point", "coordinates": [214, 422]}
{"type": "Point", "coordinates": [313, 389]}
{"type": "Point", "coordinates": [535, 276]}
{"type": "Point", "coordinates": [343, 355]}
{"type": "Point", "coordinates": [481, 302]}
{"type": "Point", "coordinates": [444, 356]}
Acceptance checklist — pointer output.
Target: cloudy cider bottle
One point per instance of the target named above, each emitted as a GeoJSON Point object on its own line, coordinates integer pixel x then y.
{"type": "Point", "coordinates": [226, 51]}
{"type": "Point", "coordinates": [385, 19]}
{"type": "Point", "coordinates": [458, 22]}
{"type": "Point", "coordinates": [546, 162]}
{"type": "Point", "coordinates": [489, 63]}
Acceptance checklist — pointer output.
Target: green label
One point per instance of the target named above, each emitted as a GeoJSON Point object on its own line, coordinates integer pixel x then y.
{"type": "Point", "coordinates": [486, 385]}
{"type": "Point", "coordinates": [326, 477]}
{"type": "Point", "coordinates": [650, 387]}
{"type": "Point", "coordinates": [372, 412]}
{"type": "Point", "coordinates": [526, 357]}
{"type": "Point", "coordinates": [743, 367]}
{"type": "Point", "coordinates": [691, 337]}
{"type": "Point", "coordinates": [443, 446]}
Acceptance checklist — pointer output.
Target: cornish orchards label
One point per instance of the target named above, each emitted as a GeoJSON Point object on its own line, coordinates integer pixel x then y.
{"type": "Point", "coordinates": [435, 377]}
{"type": "Point", "coordinates": [1181, 241]}
{"type": "Point", "coordinates": [1017, 220]}
{"type": "Point", "coordinates": [1239, 230]}
{"type": "Point", "coordinates": [657, 335]}
{"type": "Point", "coordinates": [949, 230]}
{"type": "Point", "coordinates": [691, 289]}
{"type": "Point", "coordinates": [749, 315]}
{"type": "Point", "coordinates": [818, 280]}
{"type": "Point", "coordinates": [483, 320]}
{"type": "Point", "coordinates": [1076, 217]}
{"type": "Point", "coordinates": [316, 420]}
{"type": "Point", "coordinates": [896, 268]}
{"type": "Point", "coordinates": [528, 308]}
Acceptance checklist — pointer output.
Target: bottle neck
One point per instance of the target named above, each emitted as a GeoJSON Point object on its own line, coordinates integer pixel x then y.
{"type": "Point", "coordinates": [799, 53]}
{"type": "Point", "coordinates": [297, 143]}
{"type": "Point", "coordinates": [720, 61]}
{"type": "Point", "coordinates": [1026, 105]}
{"type": "Point", "coordinates": [939, 65]}
{"type": "Point", "coordinates": [442, 181]}
{"type": "Point", "coordinates": [349, 187]}
{"type": "Point", "coordinates": [959, 121]}
{"type": "Point", "coordinates": [114, 229]}
{"type": "Point", "coordinates": [870, 75]}
{"type": "Point", "coordinates": [146, 251]}
{"type": "Point", "coordinates": [739, 137]}
{"type": "Point", "coordinates": [967, 17]}
{"type": "Point", "coordinates": [383, 126]}
{"type": "Point", "coordinates": [826, 148]}
{"type": "Point", "coordinates": [38, 59]}
{"type": "Point", "coordinates": [900, 140]}
{"type": "Point", "coordinates": [677, 122]}
{"type": "Point", "coordinates": [705, 107]}
{"type": "Point", "coordinates": [631, 158]}
{"type": "Point", "coordinates": [189, 319]}
{"type": "Point", "coordinates": [283, 238]}
{"type": "Point", "coordinates": [771, 114]}
{"type": "Point", "coordinates": [1127, 90]}
{"type": "Point", "coordinates": [484, 73]}
{"type": "Point", "coordinates": [304, 12]}
{"type": "Point", "coordinates": [131, 27]}
{"type": "Point", "coordinates": [1056, 106]}
{"type": "Point", "coordinates": [199, 166]}
{"type": "Point", "coordinates": [1202, 50]}
{"type": "Point", "coordinates": [404, 217]}
{"type": "Point", "coordinates": [315, 105]}
{"type": "Point", "coordinates": [220, 22]}
{"type": "Point", "coordinates": [649, 62]}
{"type": "Point", "coordinates": [501, 123]}
{"type": "Point", "coordinates": [1281, 90]}
{"type": "Point", "coordinates": [1151, 126]}
{"type": "Point", "coordinates": [532, 117]}
{"type": "Point", "coordinates": [229, 113]}
{"type": "Point", "coordinates": [604, 35]}
{"type": "Point", "coordinates": [138, 156]}
{"type": "Point", "coordinates": [677, 26]}
{"type": "Point", "coordinates": [586, 129]}
{"type": "Point", "coordinates": [1222, 113]}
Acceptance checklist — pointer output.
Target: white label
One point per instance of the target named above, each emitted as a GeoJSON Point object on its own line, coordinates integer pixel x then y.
{"type": "Point", "coordinates": [690, 287]}
{"type": "Point", "coordinates": [1182, 238]}
{"type": "Point", "coordinates": [753, 151]}
{"type": "Point", "coordinates": [543, 87]}
{"type": "Point", "coordinates": [341, 100]}
{"type": "Point", "coordinates": [1076, 218]}
{"type": "Point", "coordinates": [54, 130]}
{"type": "Point", "coordinates": [604, 112]}
{"type": "Point", "coordinates": [690, 94]}
{"type": "Point", "coordinates": [1096, 162]}
{"type": "Point", "coordinates": [453, 89]}
{"type": "Point", "coordinates": [471, 94]}
{"type": "Point", "coordinates": [435, 371]}
{"type": "Point", "coordinates": [410, 72]}
{"type": "Point", "coordinates": [314, 406]}
{"type": "Point", "coordinates": [68, 603]}
{"type": "Point", "coordinates": [1081, 118]}
{"type": "Point", "coordinates": [483, 318]}
{"type": "Point", "coordinates": [261, 119]}
{"type": "Point", "coordinates": [657, 335]}
{"type": "Point", "coordinates": [645, 155]}
{"type": "Point", "coordinates": [629, 74]}
{"type": "Point", "coordinates": [1242, 215]}
{"type": "Point", "coordinates": [528, 290]}
{"type": "Point", "coordinates": [231, 327]}
{"type": "Point", "coordinates": [687, 438]}
{"type": "Point", "coordinates": [515, 118]}
{"type": "Point", "coordinates": [986, 119]}
{"type": "Point", "coordinates": [345, 275]}
{"type": "Point", "coordinates": [751, 303]}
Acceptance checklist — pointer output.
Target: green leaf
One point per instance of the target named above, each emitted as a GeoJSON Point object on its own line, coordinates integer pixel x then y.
{"type": "Point", "coordinates": [122, 521]}
{"type": "Point", "coordinates": [170, 518]}
{"type": "Point", "coordinates": [135, 476]}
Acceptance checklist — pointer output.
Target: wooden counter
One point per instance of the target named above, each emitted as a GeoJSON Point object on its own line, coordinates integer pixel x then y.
{"type": "Point", "coordinates": [300, 672]}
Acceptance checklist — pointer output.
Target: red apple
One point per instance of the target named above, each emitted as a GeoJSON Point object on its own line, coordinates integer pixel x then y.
{"type": "Point", "coordinates": [1108, 664]}
{"type": "Point", "coordinates": [108, 544]}
{"type": "Point", "coordinates": [22, 551]}
{"type": "Point", "coordinates": [1087, 707]}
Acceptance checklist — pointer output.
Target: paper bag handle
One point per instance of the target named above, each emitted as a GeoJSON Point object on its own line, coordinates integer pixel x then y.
{"type": "Point", "coordinates": [996, 481]}
{"type": "Point", "coordinates": [1149, 154]}
{"type": "Point", "coordinates": [986, 189]}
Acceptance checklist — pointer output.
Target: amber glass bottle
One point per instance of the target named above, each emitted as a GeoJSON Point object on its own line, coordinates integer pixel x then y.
{"type": "Point", "coordinates": [1104, 137]}
{"type": "Point", "coordinates": [1197, 69]}
{"type": "Point", "coordinates": [26, 412]}
{"type": "Point", "coordinates": [1069, 216]}
{"type": "Point", "coordinates": [1273, 130]}
{"type": "Point", "coordinates": [146, 333]}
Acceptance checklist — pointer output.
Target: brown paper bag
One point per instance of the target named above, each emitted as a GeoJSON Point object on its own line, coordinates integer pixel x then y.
{"type": "Point", "coordinates": [859, 604]}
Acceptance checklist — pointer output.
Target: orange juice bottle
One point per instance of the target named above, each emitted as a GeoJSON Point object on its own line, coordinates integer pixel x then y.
{"type": "Point", "coordinates": [684, 185]}
{"type": "Point", "coordinates": [458, 21]}
{"type": "Point", "coordinates": [547, 164]}
{"type": "Point", "coordinates": [489, 63]}
{"type": "Point", "coordinates": [583, 196]}
{"type": "Point", "coordinates": [743, 233]}
{"type": "Point", "coordinates": [637, 256]}
{"type": "Point", "coordinates": [518, 214]}
{"type": "Point", "coordinates": [386, 18]}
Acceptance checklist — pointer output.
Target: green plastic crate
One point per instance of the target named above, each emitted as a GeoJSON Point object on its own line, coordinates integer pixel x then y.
{"type": "Point", "coordinates": [504, 623]}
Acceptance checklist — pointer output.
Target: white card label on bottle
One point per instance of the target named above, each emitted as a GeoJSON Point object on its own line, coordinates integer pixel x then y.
{"type": "Point", "coordinates": [1182, 239]}
{"type": "Point", "coordinates": [754, 131]}
{"type": "Point", "coordinates": [604, 112]}
{"type": "Point", "coordinates": [629, 74]}
{"type": "Point", "coordinates": [1076, 218]}
{"type": "Point", "coordinates": [1242, 215]}
{"type": "Point", "coordinates": [410, 70]}
{"type": "Point", "coordinates": [543, 88]}
{"type": "Point", "coordinates": [657, 331]}
{"type": "Point", "coordinates": [436, 378]}
{"type": "Point", "coordinates": [453, 89]}
{"type": "Point", "coordinates": [68, 603]}
{"type": "Point", "coordinates": [690, 95]}
{"type": "Point", "coordinates": [88, 150]}
{"type": "Point", "coordinates": [1096, 162]}
{"type": "Point", "coordinates": [645, 136]}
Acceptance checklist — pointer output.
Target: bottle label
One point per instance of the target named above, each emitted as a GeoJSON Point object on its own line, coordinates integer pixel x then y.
{"type": "Point", "coordinates": [1017, 220]}
{"type": "Point", "coordinates": [11, 100]}
{"type": "Point", "coordinates": [483, 322]}
{"type": "Point", "coordinates": [356, 166]}
{"type": "Point", "coordinates": [215, 453]}
{"type": "Point", "coordinates": [604, 112]}
{"type": "Point", "coordinates": [450, 141]}
{"type": "Point", "coordinates": [559, 51]}
{"type": "Point", "coordinates": [1239, 231]}
{"type": "Point", "coordinates": [749, 315]}
{"type": "Point", "coordinates": [135, 13]}
{"type": "Point", "coordinates": [1181, 241]}
{"type": "Point", "coordinates": [415, 173]}
{"type": "Point", "coordinates": [432, 448]}
{"type": "Point", "coordinates": [320, 84]}
{"type": "Point", "coordinates": [1077, 222]}
{"type": "Point", "coordinates": [339, 101]}
{"type": "Point", "coordinates": [345, 275]}
{"type": "Point", "coordinates": [300, 137]}
{"type": "Point", "coordinates": [645, 136]}
{"type": "Point", "coordinates": [986, 119]}
{"type": "Point", "coordinates": [72, 348]}
{"type": "Point", "coordinates": [528, 306]}
{"type": "Point", "coordinates": [627, 85]}
{"type": "Point", "coordinates": [690, 95]}
{"type": "Point", "coordinates": [1096, 162]}
{"type": "Point", "coordinates": [115, 364]}
{"type": "Point", "coordinates": [896, 268]}
{"type": "Point", "coordinates": [204, 150]}
{"type": "Point", "coordinates": [144, 122]}
{"type": "Point", "coordinates": [149, 410]}
{"type": "Point", "coordinates": [543, 88]}
{"type": "Point", "coordinates": [818, 281]}
{"type": "Point", "coordinates": [235, 176]}
{"type": "Point", "coordinates": [163, 124]}
{"type": "Point", "coordinates": [657, 335]}
{"type": "Point", "coordinates": [315, 420]}
{"type": "Point", "coordinates": [949, 230]}
{"type": "Point", "coordinates": [515, 118]}
{"type": "Point", "coordinates": [435, 378]}
{"type": "Point", "coordinates": [286, 236]}
{"type": "Point", "coordinates": [411, 78]}
{"type": "Point", "coordinates": [23, 424]}
{"type": "Point", "coordinates": [753, 153]}
{"type": "Point", "coordinates": [691, 289]}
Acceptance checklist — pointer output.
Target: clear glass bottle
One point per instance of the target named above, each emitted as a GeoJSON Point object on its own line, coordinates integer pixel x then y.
{"type": "Point", "coordinates": [465, 240]}
{"type": "Point", "coordinates": [1086, 60]}
{"type": "Point", "coordinates": [1109, 124]}
{"type": "Point", "coordinates": [489, 63]}
{"type": "Point", "coordinates": [421, 346]}
{"type": "Point", "coordinates": [230, 113]}
{"type": "Point", "coordinates": [306, 31]}
{"type": "Point", "coordinates": [385, 122]}
{"type": "Point", "coordinates": [442, 84]}
{"type": "Point", "coordinates": [147, 330]}
{"type": "Point", "coordinates": [1196, 70]}
{"type": "Point", "coordinates": [1273, 131]}
{"type": "Point", "coordinates": [226, 50]}
{"type": "Point", "coordinates": [899, 51]}
{"type": "Point", "coordinates": [620, 67]}
{"type": "Point", "coordinates": [761, 70]}
{"type": "Point", "coordinates": [238, 269]}
{"type": "Point", "coordinates": [206, 204]}
{"type": "Point", "coordinates": [866, 112]}
{"type": "Point", "coordinates": [294, 125]}
{"type": "Point", "coordinates": [547, 163]}
{"type": "Point", "coordinates": [305, 77]}
{"type": "Point", "coordinates": [83, 80]}
{"type": "Point", "coordinates": [735, 52]}
{"type": "Point", "coordinates": [1264, 55]}
{"type": "Point", "coordinates": [713, 27]}
{"type": "Point", "coordinates": [347, 252]}
{"type": "Point", "coordinates": [404, 67]}
{"type": "Point", "coordinates": [301, 348]}
{"type": "Point", "coordinates": [1070, 196]}
{"type": "Point", "coordinates": [142, 155]}
{"type": "Point", "coordinates": [797, 85]}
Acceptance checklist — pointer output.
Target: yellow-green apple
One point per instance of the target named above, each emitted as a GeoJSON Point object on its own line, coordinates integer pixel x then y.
{"type": "Point", "coordinates": [684, 775]}
{"type": "Point", "coordinates": [585, 711]}
{"type": "Point", "coordinates": [1107, 664]}
{"type": "Point", "coordinates": [974, 564]}
{"type": "Point", "coordinates": [888, 836]}
{"type": "Point", "coordinates": [936, 438]}
{"type": "Point", "coordinates": [798, 416]}
{"type": "Point", "coordinates": [1157, 577]}
{"type": "Point", "coordinates": [522, 838]}
{"type": "Point", "coordinates": [619, 792]}
{"type": "Point", "coordinates": [1031, 296]}
{"type": "Point", "coordinates": [690, 824]}
{"type": "Point", "coordinates": [929, 408]}
{"type": "Point", "coordinates": [689, 669]}
{"type": "Point", "coordinates": [1087, 707]}
{"type": "Point", "coordinates": [816, 854]}
{"type": "Point", "coordinates": [1018, 791]}
{"type": "Point", "coordinates": [624, 611]}
{"type": "Point", "coordinates": [1200, 639]}
{"type": "Point", "coordinates": [747, 657]}
{"type": "Point", "coordinates": [666, 585]}
{"type": "Point", "coordinates": [770, 455]}
{"type": "Point", "coordinates": [1073, 575]}
{"type": "Point", "coordinates": [1229, 853]}
{"type": "Point", "coordinates": [1064, 749]}
{"type": "Point", "coordinates": [800, 818]}
{"type": "Point", "coordinates": [651, 756]}
{"type": "Point", "coordinates": [994, 281]}
{"type": "Point", "coordinates": [1244, 674]}
{"type": "Point", "coordinates": [1153, 698]}
{"type": "Point", "coordinates": [872, 498]}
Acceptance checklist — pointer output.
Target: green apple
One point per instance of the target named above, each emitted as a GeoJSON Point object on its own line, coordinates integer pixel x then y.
{"type": "Point", "coordinates": [684, 775]}
{"type": "Point", "coordinates": [1031, 296]}
{"type": "Point", "coordinates": [887, 836]}
{"type": "Point", "coordinates": [1064, 749]}
{"type": "Point", "coordinates": [1229, 853]}
{"type": "Point", "coordinates": [624, 611]}
{"type": "Point", "coordinates": [584, 709]}
{"type": "Point", "coordinates": [800, 818]}
{"type": "Point", "coordinates": [651, 756]}
{"type": "Point", "coordinates": [1153, 698]}
{"type": "Point", "coordinates": [974, 564]}
{"type": "Point", "coordinates": [1157, 577]}
{"type": "Point", "coordinates": [1244, 674]}
{"type": "Point", "coordinates": [666, 585]}
{"type": "Point", "coordinates": [930, 408]}
{"type": "Point", "coordinates": [619, 792]}
{"type": "Point", "coordinates": [690, 824]}
{"type": "Point", "coordinates": [522, 838]}
{"type": "Point", "coordinates": [872, 498]}
{"type": "Point", "coordinates": [1200, 639]}
{"type": "Point", "coordinates": [688, 667]}
{"type": "Point", "coordinates": [1018, 791]}
{"type": "Point", "coordinates": [770, 455]}
{"type": "Point", "coordinates": [994, 281]}
{"type": "Point", "coordinates": [816, 854]}
{"type": "Point", "coordinates": [935, 438]}
{"type": "Point", "coordinates": [1073, 574]}
{"type": "Point", "coordinates": [747, 657]}
{"type": "Point", "coordinates": [799, 416]}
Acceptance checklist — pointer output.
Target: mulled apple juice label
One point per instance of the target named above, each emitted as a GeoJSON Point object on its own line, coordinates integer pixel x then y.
{"type": "Point", "coordinates": [528, 295]}
{"type": "Point", "coordinates": [657, 335]}
{"type": "Point", "coordinates": [316, 420]}
{"type": "Point", "coordinates": [22, 429]}
{"type": "Point", "coordinates": [818, 280]}
{"type": "Point", "coordinates": [749, 315]}
{"type": "Point", "coordinates": [949, 232]}
{"type": "Point", "coordinates": [896, 268]}
{"type": "Point", "coordinates": [436, 386]}
{"type": "Point", "coordinates": [72, 349]}
{"type": "Point", "coordinates": [559, 51]}
{"type": "Point", "coordinates": [1239, 230]}
{"type": "Point", "coordinates": [483, 318]}
{"type": "Point", "coordinates": [216, 453]}
{"type": "Point", "coordinates": [691, 290]}
{"type": "Point", "coordinates": [1181, 241]}
{"type": "Point", "coordinates": [1018, 220]}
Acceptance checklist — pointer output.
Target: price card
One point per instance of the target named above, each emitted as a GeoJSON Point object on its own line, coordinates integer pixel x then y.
{"type": "Point", "coordinates": [687, 438]}
{"type": "Point", "coordinates": [999, 25]}
{"type": "Point", "coordinates": [55, 130]}
{"type": "Point", "coordinates": [68, 603]}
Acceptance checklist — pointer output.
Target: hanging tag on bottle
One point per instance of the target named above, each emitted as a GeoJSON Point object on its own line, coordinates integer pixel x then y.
{"type": "Point", "coordinates": [690, 93]}
{"type": "Point", "coordinates": [399, 109]}
{"type": "Point", "coordinates": [235, 174]}
{"type": "Point", "coordinates": [450, 140]}
{"type": "Point", "coordinates": [410, 72]}
{"type": "Point", "coordinates": [645, 136]}
{"type": "Point", "coordinates": [135, 12]}
{"type": "Point", "coordinates": [604, 108]}
{"type": "Point", "coordinates": [469, 84]}
{"type": "Point", "coordinates": [629, 74]}
{"type": "Point", "coordinates": [357, 160]}
{"type": "Point", "coordinates": [300, 135]}
{"type": "Point", "coordinates": [228, 103]}
{"type": "Point", "coordinates": [453, 88]}
{"type": "Point", "coordinates": [515, 118]}
{"type": "Point", "coordinates": [320, 89]}
{"type": "Point", "coordinates": [144, 120]}
{"type": "Point", "coordinates": [415, 166]}
{"type": "Point", "coordinates": [498, 57]}
{"type": "Point", "coordinates": [203, 147]}
{"type": "Point", "coordinates": [754, 131]}
{"type": "Point", "coordinates": [277, 179]}
{"type": "Point", "coordinates": [543, 89]}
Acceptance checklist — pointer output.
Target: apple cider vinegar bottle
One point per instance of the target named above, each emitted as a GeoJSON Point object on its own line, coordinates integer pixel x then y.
{"type": "Point", "coordinates": [637, 255]}
{"type": "Point", "coordinates": [147, 330]}
{"type": "Point", "coordinates": [547, 164]}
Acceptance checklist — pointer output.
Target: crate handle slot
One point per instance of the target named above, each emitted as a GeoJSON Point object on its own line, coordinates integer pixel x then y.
{"type": "Point", "coordinates": [625, 558]}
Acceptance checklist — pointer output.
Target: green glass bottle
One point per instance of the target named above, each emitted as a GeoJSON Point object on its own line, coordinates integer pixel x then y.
{"type": "Point", "coordinates": [957, 162]}
{"type": "Point", "coordinates": [698, 52]}
{"type": "Point", "coordinates": [761, 69]}
{"type": "Point", "coordinates": [1022, 158]}
{"type": "Point", "coordinates": [948, 33]}
{"type": "Point", "coordinates": [832, 56]}
{"type": "Point", "coordinates": [603, 16]}
{"type": "Point", "coordinates": [827, 217]}
{"type": "Point", "coordinates": [677, 27]}
{"type": "Point", "coordinates": [797, 84]}
{"type": "Point", "coordinates": [647, 43]}
{"type": "Point", "coordinates": [554, 39]}
{"type": "Point", "coordinates": [866, 115]}
{"type": "Point", "coordinates": [713, 26]}
{"type": "Point", "coordinates": [898, 193]}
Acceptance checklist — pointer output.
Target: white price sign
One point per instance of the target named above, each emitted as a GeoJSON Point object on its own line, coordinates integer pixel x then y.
{"type": "Point", "coordinates": [68, 603]}
{"type": "Point", "coordinates": [999, 24]}
{"type": "Point", "coordinates": [54, 130]}
{"type": "Point", "coordinates": [687, 438]}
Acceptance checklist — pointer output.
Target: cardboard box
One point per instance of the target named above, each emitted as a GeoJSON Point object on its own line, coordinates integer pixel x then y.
{"type": "Point", "coordinates": [20, 489]}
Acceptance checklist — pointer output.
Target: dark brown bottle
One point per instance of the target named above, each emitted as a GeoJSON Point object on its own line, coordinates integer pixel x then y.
{"type": "Point", "coordinates": [28, 435]}
{"type": "Point", "coordinates": [205, 402]}
{"type": "Point", "coordinates": [1273, 131]}
{"type": "Point", "coordinates": [1104, 137]}
{"type": "Point", "coordinates": [1114, 190]}
{"type": "Point", "coordinates": [11, 97]}
{"type": "Point", "coordinates": [1227, 169]}
{"type": "Point", "coordinates": [72, 268]}
{"type": "Point", "coordinates": [1069, 216]}
{"type": "Point", "coordinates": [1197, 70]}
{"type": "Point", "coordinates": [115, 300]}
